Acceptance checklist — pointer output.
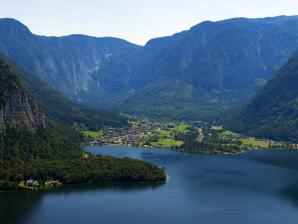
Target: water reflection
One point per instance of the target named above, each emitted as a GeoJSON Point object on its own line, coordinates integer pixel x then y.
{"type": "Point", "coordinates": [283, 158]}
{"type": "Point", "coordinates": [16, 206]}
{"type": "Point", "coordinates": [116, 187]}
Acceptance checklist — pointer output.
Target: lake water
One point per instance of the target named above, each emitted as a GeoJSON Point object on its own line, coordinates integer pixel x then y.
{"type": "Point", "coordinates": [254, 187]}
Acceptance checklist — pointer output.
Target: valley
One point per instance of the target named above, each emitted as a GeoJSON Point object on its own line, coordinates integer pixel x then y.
{"type": "Point", "coordinates": [200, 126]}
{"type": "Point", "coordinates": [197, 136]}
{"type": "Point", "coordinates": [49, 109]}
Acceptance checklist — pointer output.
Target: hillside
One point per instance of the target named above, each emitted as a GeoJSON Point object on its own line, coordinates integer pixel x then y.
{"type": "Point", "coordinates": [198, 73]}
{"type": "Point", "coordinates": [212, 67]}
{"type": "Point", "coordinates": [33, 146]}
{"type": "Point", "coordinates": [273, 113]}
{"type": "Point", "coordinates": [25, 132]}
{"type": "Point", "coordinates": [77, 65]}
{"type": "Point", "coordinates": [60, 109]}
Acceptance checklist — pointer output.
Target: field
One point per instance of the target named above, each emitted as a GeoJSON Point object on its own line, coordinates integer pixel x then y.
{"type": "Point", "coordinates": [167, 143]}
{"type": "Point", "coordinates": [181, 127]}
{"type": "Point", "coordinates": [164, 135]}
{"type": "Point", "coordinates": [92, 134]}
{"type": "Point", "coordinates": [255, 143]}
{"type": "Point", "coordinates": [230, 133]}
{"type": "Point", "coordinates": [243, 142]}
{"type": "Point", "coordinates": [216, 128]}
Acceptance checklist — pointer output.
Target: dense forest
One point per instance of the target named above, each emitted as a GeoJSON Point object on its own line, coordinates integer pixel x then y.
{"type": "Point", "coordinates": [45, 155]}
{"type": "Point", "coordinates": [96, 169]}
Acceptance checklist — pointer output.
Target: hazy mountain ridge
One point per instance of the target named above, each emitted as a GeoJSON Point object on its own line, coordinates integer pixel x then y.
{"type": "Point", "coordinates": [220, 64]}
{"type": "Point", "coordinates": [71, 64]}
{"type": "Point", "coordinates": [225, 48]}
{"type": "Point", "coordinates": [203, 71]}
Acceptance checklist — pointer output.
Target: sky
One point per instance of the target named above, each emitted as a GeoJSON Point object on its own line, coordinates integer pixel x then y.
{"type": "Point", "coordinates": [134, 20]}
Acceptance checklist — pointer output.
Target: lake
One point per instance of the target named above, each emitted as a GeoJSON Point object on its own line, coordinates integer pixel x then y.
{"type": "Point", "coordinates": [254, 187]}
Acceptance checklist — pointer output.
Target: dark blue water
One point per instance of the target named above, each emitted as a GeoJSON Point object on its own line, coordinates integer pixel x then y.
{"type": "Point", "coordinates": [255, 187]}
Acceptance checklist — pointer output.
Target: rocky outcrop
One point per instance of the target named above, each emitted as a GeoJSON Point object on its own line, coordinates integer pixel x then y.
{"type": "Point", "coordinates": [21, 111]}
{"type": "Point", "coordinates": [18, 109]}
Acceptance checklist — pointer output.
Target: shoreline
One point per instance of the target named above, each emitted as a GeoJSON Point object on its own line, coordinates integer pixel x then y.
{"type": "Point", "coordinates": [197, 152]}
{"type": "Point", "coordinates": [174, 149]}
{"type": "Point", "coordinates": [117, 183]}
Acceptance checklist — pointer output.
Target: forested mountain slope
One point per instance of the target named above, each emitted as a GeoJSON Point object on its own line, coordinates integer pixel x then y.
{"type": "Point", "coordinates": [60, 109]}
{"type": "Point", "coordinates": [273, 113]}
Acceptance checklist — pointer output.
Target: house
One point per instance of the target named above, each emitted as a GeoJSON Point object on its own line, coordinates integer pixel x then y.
{"type": "Point", "coordinates": [32, 183]}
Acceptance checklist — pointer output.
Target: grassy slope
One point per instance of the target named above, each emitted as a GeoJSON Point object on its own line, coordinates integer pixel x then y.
{"type": "Point", "coordinates": [92, 134]}
{"type": "Point", "coordinates": [166, 138]}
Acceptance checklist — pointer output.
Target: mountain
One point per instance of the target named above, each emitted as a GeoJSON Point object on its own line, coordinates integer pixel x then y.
{"type": "Point", "coordinates": [76, 65]}
{"type": "Point", "coordinates": [194, 74]}
{"type": "Point", "coordinates": [211, 67]}
{"type": "Point", "coordinates": [273, 113]}
{"type": "Point", "coordinates": [60, 109]}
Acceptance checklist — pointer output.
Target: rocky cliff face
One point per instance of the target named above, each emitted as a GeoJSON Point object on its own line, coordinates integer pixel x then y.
{"type": "Point", "coordinates": [22, 111]}
{"type": "Point", "coordinates": [18, 109]}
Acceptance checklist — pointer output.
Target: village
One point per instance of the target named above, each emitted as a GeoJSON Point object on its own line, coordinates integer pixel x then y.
{"type": "Point", "coordinates": [141, 132]}
{"type": "Point", "coordinates": [113, 136]}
